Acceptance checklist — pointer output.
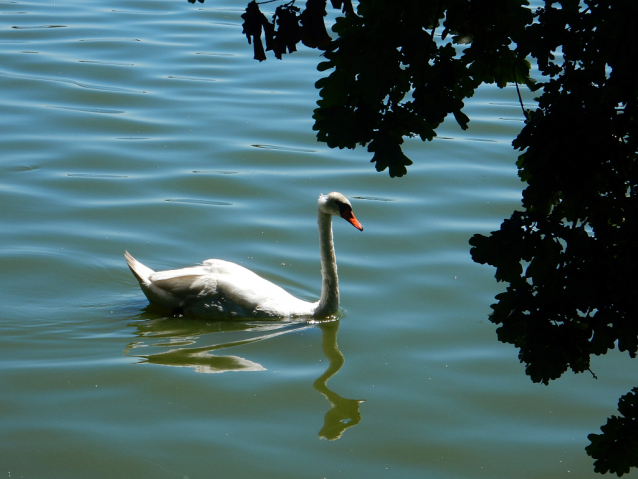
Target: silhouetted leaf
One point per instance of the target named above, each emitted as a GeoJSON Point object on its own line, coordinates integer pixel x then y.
{"type": "Point", "coordinates": [461, 118]}
{"type": "Point", "coordinates": [345, 5]}
{"type": "Point", "coordinates": [288, 32]}
{"type": "Point", "coordinates": [388, 154]}
{"type": "Point", "coordinates": [616, 449]}
{"type": "Point", "coordinates": [254, 21]}
{"type": "Point", "coordinates": [313, 33]}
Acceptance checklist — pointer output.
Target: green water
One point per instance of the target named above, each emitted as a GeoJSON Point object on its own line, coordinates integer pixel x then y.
{"type": "Point", "coordinates": [146, 126]}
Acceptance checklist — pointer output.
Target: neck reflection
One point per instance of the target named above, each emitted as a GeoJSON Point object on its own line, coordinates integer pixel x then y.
{"type": "Point", "coordinates": [343, 413]}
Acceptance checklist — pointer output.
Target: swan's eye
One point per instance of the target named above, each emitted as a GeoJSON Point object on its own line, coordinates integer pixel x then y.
{"type": "Point", "coordinates": [344, 209]}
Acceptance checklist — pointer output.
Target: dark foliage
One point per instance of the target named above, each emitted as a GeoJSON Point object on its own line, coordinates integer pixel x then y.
{"type": "Point", "coordinates": [391, 79]}
{"type": "Point", "coordinates": [616, 450]}
{"type": "Point", "coordinates": [576, 295]}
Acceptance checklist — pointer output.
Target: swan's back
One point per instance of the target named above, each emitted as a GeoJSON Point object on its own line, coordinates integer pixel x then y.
{"type": "Point", "coordinates": [217, 289]}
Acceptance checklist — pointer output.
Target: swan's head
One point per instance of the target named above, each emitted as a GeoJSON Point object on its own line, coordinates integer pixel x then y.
{"type": "Point", "coordinates": [336, 204]}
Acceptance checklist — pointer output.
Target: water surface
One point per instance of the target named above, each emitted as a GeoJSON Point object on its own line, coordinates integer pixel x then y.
{"type": "Point", "coordinates": [147, 126]}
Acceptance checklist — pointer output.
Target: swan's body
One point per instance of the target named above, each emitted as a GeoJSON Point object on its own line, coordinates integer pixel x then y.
{"type": "Point", "coordinates": [220, 289]}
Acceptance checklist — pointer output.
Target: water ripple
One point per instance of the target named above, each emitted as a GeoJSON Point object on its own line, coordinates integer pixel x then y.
{"type": "Point", "coordinates": [199, 202]}
{"type": "Point", "coordinates": [110, 40]}
{"type": "Point", "coordinates": [215, 172]}
{"type": "Point", "coordinates": [284, 148]}
{"type": "Point", "coordinates": [92, 175]}
{"type": "Point", "coordinates": [32, 27]}
{"type": "Point", "coordinates": [119, 64]}
{"type": "Point", "coordinates": [72, 82]}
{"type": "Point", "coordinates": [216, 54]}
{"type": "Point", "coordinates": [88, 110]}
{"type": "Point", "coordinates": [172, 77]}
{"type": "Point", "coordinates": [372, 198]}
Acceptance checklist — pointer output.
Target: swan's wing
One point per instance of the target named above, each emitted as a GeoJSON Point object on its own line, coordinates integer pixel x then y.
{"type": "Point", "coordinates": [179, 282]}
{"type": "Point", "coordinates": [242, 286]}
{"type": "Point", "coordinates": [172, 289]}
{"type": "Point", "coordinates": [224, 286]}
{"type": "Point", "coordinates": [215, 280]}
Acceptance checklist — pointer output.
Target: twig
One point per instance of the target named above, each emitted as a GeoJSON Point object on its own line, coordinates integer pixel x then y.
{"type": "Point", "coordinates": [518, 90]}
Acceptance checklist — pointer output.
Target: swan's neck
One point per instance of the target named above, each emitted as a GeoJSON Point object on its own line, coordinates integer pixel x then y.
{"type": "Point", "coordinates": [329, 302]}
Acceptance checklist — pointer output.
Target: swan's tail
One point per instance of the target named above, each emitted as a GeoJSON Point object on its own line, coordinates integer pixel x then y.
{"type": "Point", "coordinates": [141, 272]}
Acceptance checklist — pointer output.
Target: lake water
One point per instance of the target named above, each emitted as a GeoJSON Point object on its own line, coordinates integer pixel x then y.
{"type": "Point", "coordinates": [147, 126]}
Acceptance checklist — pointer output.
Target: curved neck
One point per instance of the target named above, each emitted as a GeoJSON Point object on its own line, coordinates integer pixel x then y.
{"type": "Point", "coordinates": [329, 302]}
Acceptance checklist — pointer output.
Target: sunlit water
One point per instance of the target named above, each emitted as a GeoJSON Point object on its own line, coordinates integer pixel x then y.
{"type": "Point", "coordinates": [147, 126]}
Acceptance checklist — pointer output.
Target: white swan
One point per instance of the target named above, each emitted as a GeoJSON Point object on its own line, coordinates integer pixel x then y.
{"type": "Point", "coordinates": [220, 289]}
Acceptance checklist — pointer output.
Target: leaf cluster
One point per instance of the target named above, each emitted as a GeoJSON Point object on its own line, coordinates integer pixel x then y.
{"type": "Point", "coordinates": [289, 26]}
{"type": "Point", "coordinates": [394, 77]}
{"type": "Point", "coordinates": [616, 450]}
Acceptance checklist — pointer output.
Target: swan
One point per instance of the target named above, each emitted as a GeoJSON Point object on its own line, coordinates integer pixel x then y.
{"type": "Point", "coordinates": [220, 289]}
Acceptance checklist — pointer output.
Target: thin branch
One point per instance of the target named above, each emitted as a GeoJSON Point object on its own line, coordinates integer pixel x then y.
{"type": "Point", "coordinates": [518, 90]}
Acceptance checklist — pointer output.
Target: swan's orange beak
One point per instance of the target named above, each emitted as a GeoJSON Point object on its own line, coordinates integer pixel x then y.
{"type": "Point", "coordinates": [349, 217]}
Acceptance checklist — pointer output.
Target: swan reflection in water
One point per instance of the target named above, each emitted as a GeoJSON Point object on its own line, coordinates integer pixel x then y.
{"type": "Point", "coordinates": [180, 338]}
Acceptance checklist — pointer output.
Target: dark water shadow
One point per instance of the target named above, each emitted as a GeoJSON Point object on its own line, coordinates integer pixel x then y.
{"type": "Point", "coordinates": [204, 346]}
